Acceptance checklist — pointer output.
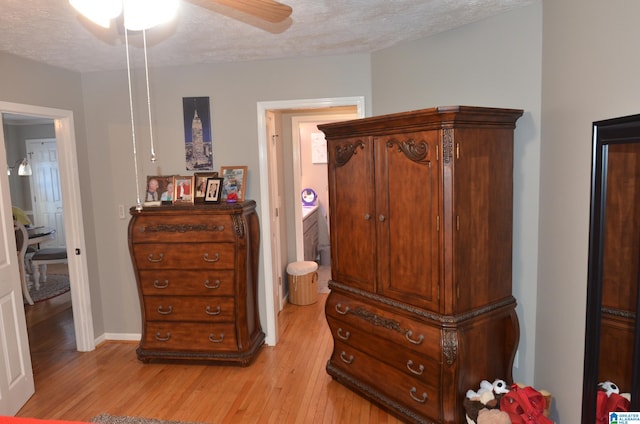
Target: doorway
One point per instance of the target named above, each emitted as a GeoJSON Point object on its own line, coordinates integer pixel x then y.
{"type": "Point", "coordinates": [73, 222]}
{"type": "Point", "coordinates": [269, 135]}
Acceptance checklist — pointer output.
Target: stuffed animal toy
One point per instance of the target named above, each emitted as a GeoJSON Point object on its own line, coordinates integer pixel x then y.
{"type": "Point", "coordinates": [493, 416]}
{"type": "Point", "coordinates": [487, 398]}
{"type": "Point", "coordinates": [610, 400]}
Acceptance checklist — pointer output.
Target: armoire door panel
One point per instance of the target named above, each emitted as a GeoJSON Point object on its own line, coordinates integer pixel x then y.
{"type": "Point", "coordinates": [353, 218]}
{"type": "Point", "coordinates": [482, 210]}
{"type": "Point", "coordinates": [407, 181]}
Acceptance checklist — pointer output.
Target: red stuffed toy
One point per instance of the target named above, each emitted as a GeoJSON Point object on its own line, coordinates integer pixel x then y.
{"type": "Point", "coordinates": [525, 405]}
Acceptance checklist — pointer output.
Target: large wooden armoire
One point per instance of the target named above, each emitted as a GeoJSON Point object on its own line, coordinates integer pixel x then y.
{"type": "Point", "coordinates": [421, 308]}
{"type": "Point", "coordinates": [197, 272]}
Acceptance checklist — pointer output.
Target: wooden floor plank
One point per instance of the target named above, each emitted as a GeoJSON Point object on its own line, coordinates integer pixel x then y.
{"type": "Point", "coordinates": [287, 383]}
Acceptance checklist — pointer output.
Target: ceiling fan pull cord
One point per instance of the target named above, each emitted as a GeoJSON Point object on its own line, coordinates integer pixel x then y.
{"type": "Point", "coordinates": [133, 129]}
{"type": "Point", "coordinates": [146, 68]}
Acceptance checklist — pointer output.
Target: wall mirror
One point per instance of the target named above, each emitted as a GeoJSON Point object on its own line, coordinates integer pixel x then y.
{"type": "Point", "coordinates": [612, 336]}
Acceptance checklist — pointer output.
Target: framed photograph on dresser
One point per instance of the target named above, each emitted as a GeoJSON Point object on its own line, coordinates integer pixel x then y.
{"type": "Point", "coordinates": [213, 190]}
{"type": "Point", "coordinates": [234, 182]}
{"type": "Point", "coordinates": [200, 183]}
{"type": "Point", "coordinates": [159, 190]}
{"type": "Point", "coordinates": [183, 189]}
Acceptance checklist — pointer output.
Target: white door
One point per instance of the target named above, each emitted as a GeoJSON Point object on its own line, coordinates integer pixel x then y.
{"type": "Point", "coordinates": [16, 375]}
{"type": "Point", "coordinates": [276, 208]}
{"type": "Point", "coordinates": [45, 187]}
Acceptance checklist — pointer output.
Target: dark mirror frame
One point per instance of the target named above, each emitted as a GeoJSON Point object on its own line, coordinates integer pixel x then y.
{"type": "Point", "coordinates": [605, 134]}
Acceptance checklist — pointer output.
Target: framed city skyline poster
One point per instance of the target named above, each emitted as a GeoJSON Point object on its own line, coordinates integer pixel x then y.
{"type": "Point", "coordinates": [198, 143]}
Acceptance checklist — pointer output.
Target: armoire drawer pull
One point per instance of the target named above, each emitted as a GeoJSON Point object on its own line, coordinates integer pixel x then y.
{"type": "Point", "coordinates": [212, 338]}
{"type": "Point", "coordinates": [343, 356]}
{"type": "Point", "coordinates": [151, 257]}
{"type": "Point", "coordinates": [163, 339]}
{"type": "Point", "coordinates": [216, 257]}
{"type": "Point", "coordinates": [161, 285]}
{"type": "Point", "coordinates": [343, 311]}
{"type": "Point", "coordinates": [413, 392]}
{"type": "Point", "coordinates": [367, 216]}
{"type": "Point", "coordinates": [417, 341]}
{"type": "Point", "coordinates": [417, 371]}
{"type": "Point", "coordinates": [215, 285]}
{"type": "Point", "coordinates": [163, 311]}
{"type": "Point", "coordinates": [212, 312]}
{"type": "Point", "coordinates": [344, 335]}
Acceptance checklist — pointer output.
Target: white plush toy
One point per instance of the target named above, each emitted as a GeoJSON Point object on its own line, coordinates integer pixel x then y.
{"type": "Point", "coordinates": [485, 387]}
{"type": "Point", "coordinates": [609, 387]}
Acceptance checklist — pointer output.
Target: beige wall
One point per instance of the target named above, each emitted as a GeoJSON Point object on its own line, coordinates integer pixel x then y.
{"type": "Point", "coordinates": [31, 83]}
{"type": "Point", "coordinates": [590, 71]}
{"type": "Point", "coordinates": [234, 90]}
{"type": "Point", "coordinates": [495, 62]}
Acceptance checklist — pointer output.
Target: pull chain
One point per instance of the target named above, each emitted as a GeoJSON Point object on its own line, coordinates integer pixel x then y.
{"type": "Point", "coordinates": [133, 129]}
{"type": "Point", "coordinates": [146, 68]}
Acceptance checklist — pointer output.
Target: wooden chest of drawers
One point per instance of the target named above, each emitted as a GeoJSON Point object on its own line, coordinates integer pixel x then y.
{"type": "Point", "coordinates": [197, 269]}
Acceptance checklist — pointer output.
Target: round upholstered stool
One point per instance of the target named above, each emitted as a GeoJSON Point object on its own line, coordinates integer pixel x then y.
{"type": "Point", "coordinates": [303, 282]}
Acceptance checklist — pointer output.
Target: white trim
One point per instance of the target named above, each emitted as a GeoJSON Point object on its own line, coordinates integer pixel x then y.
{"type": "Point", "coordinates": [270, 289]}
{"type": "Point", "coordinates": [73, 222]}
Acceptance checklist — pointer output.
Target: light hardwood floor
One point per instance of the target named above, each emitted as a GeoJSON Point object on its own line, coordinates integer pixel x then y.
{"type": "Point", "coordinates": [286, 384]}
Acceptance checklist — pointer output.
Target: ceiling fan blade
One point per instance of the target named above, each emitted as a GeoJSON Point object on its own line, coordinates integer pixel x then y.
{"type": "Point", "coordinates": [268, 10]}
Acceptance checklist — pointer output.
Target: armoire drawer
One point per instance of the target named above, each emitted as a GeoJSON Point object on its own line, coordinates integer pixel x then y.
{"type": "Point", "coordinates": [184, 255]}
{"type": "Point", "coordinates": [408, 361]}
{"type": "Point", "coordinates": [199, 337]}
{"type": "Point", "coordinates": [198, 228]}
{"type": "Point", "coordinates": [189, 308]}
{"type": "Point", "coordinates": [413, 393]}
{"type": "Point", "coordinates": [187, 283]}
{"type": "Point", "coordinates": [382, 324]}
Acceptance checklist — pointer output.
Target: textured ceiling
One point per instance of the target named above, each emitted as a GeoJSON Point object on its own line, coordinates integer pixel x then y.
{"type": "Point", "coordinates": [50, 31]}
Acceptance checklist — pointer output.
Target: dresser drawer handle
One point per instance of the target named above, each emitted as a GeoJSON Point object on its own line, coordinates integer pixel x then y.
{"type": "Point", "coordinates": [151, 257]}
{"type": "Point", "coordinates": [419, 371]}
{"type": "Point", "coordinates": [343, 335]}
{"type": "Point", "coordinates": [212, 338]}
{"type": "Point", "coordinates": [210, 312]}
{"type": "Point", "coordinates": [341, 312]}
{"type": "Point", "coordinates": [163, 311]}
{"type": "Point", "coordinates": [157, 284]}
{"type": "Point", "coordinates": [163, 339]}
{"type": "Point", "coordinates": [215, 258]}
{"type": "Point", "coordinates": [344, 358]}
{"type": "Point", "coordinates": [413, 392]}
{"type": "Point", "coordinates": [417, 341]}
{"type": "Point", "coordinates": [215, 285]}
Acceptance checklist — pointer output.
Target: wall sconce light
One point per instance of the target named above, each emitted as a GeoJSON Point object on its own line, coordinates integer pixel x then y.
{"type": "Point", "coordinates": [24, 170]}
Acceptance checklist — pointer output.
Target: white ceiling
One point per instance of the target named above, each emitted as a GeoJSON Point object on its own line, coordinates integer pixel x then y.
{"type": "Point", "coordinates": [50, 31]}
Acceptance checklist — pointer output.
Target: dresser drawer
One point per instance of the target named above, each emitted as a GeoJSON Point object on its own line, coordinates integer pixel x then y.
{"type": "Point", "coordinates": [406, 360]}
{"type": "Point", "coordinates": [185, 283]}
{"type": "Point", "coordinates": [386, 325]}
{"type": "Point", "coordinates": [390, 382]}
{"type": "Point", "coordinates": [184, 255]}
{"type": "Point", "coordinates": [189, 308]}
{"type": "Point", "coordinates": [198, 337]}
{"type": "Point", "coordinates": [176, 228]}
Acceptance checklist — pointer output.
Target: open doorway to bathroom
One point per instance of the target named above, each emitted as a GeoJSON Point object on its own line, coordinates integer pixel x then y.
{"type": "Point", "coordinates": [282, 184]}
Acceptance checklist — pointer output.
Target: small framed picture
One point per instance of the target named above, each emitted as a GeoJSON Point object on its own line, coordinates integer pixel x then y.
{"type": "Point", "coordinates": [234, 183]}
{"type": "Point", "coordinates": [183, 189]}
{"type": "Point", "coordinates": [213, 190]}
{"type": "Point", "coordinates": [201, 184]}
{"type": "Point", "coordinates": [159, 190]}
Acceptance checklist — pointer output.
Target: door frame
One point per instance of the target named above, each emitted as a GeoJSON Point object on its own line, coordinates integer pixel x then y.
{"type": "Point", "coordinates": [271, 287]}
{"type": "Point", "coordinates": [73, 221]}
